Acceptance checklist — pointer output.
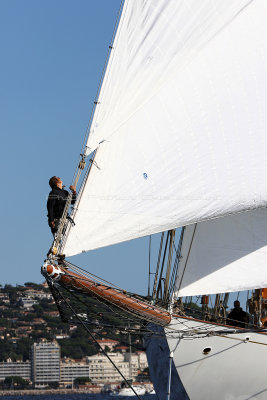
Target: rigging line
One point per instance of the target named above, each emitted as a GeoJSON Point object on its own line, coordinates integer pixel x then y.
{"type": "Point", "coordinates": [241, 340]}
{"type": "Point", "coordinates": [248, 324]}
{"type": "Point", "coordinates": [157, 270]}
{"type": "Point", "coordinates": [87, 132]}
{"type": "Point", "coordinates": [168, 268]}
{"type": "Point", "coordinates": [141, 331]}
{"type": "Point", "coordinates": [131, 295]}
{"type": "Point", "coordinates": [247, 307]}
{"type": "Point", "coordinates": [91, 274]}
{"type": "Point", "coordinates": [137, 298]}
{"type": "Point", "coordinates": [62, 224]}
{"type": "Point", "coordinates": [182, 277]}
{"type": "Point", "coordinates": [162, 267]}
{"type": "Point", "coordinates": [67, 223]}
{"type": "Point", "coordinates": [176, 263]}
{"type": "Point", "coordinates": [149, 271]}
{"type": "Point", "coordinates": [124, 308]}
{"type": "Point", "coordinates": [116, 310]}
{"type": "Point", "coordinates": [143, 328]}
{"type": "Point", "coordinates": [77, 172]}
{"type": "Point", "coordinates": [103, 351]}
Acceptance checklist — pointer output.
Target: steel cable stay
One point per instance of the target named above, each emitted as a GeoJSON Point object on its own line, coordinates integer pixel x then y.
{"type": "Point", "coordinates": [91, 275]}
{"type": "Point", "coordinates": [190, 247]}
{"type": "Point", "coordinates": [98, 345]}
{"type": "Point", "coordinates": [125, 308]}
{"type": "Point", "coordinates": [137, 317]}
{"type": "Point", "coordinates": [188, 332]}
{"type": "Point", "coordinates": [96, 101]}
{"type": "Point", "coordinates": [195, 330]}
{"type": "Point", "coordinates": [136, 306]}
{"type": "Point", "coordinates": [176, 264]}
{"type": "Point", "coordinates": [59, 241]}
{"type": "Point", "coordinates": [170, 332]}
{"type": "Point", "coordinates": [110, 309]}
{"type": "Point", "coordinates": [194, 335]}
{"type": "Point", "coordinates": [137, 298]}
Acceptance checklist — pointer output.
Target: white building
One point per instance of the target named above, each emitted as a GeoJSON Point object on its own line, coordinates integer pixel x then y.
{"type": "Point", "coordinates": [102, 371]}
{"type": "Point", "coordinates": [71, 370]}
{"type": "Point", "coordinates": [45, 359]}
{"type": "Point", "coordinates": [18, 368]}
{"type": "Point", "coordinates": [27, 302]}
{"type": "Point", "coordinates": [33, 294]}
{"type": "Point", "coordinates": [138, 361]}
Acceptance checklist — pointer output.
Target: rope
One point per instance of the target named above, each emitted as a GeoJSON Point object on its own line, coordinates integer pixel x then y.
{"type": "Point", "coordinates": [103, 281]}
{"type": "Point", "coordinates": [149, 265]}
{"type": "Point", "coordinates": [176, 264]}
{"type": "Point", "coordinates": [187, 333]}
{"type": "Point", "coordinates": [63, 227]}
{"type": "Point", "coordinates": [241, 340]}
{"type": "Point", "coordinates": [103, 351]}
{"type": "Point", "coordinates": [162, 267]}
{"type": "Point", "coordinates": [75, 209]}
{"type": "Point", "coordinates": [143, 330]}
{"type": "Point", "coordinates": [87, 132]}
{"type": "Point", "coordinates": [79, 269]}
{"type": "Point", "coordinates": [157, 270]}
{"type": "Point", "coordinates": [182, 277]}
{"type": "Point", "coordinates": [123, 307]}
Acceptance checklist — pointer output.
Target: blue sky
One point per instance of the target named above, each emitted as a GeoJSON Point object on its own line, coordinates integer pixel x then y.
{"type": "Point", "coordinates": [52, 55]}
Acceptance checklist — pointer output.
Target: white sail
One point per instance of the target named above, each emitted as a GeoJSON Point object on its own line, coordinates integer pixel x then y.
{"type": "Point", "coordinates": [180, 125]}
{"type": "Point", "coordinates": [224, 255]}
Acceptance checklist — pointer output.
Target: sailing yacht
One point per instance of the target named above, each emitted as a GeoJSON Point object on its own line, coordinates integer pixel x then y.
{"type": "Point", "coordinates": [177, 139]}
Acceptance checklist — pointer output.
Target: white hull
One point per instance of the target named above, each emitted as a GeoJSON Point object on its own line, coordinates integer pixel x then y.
{"type": "Point", "coordinates": [129, 392]}
{"type": "Point", "coordinates": [234, 369]}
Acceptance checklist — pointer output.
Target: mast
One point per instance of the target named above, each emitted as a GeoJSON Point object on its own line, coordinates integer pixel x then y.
{"type": "Point", "coordinates": [169, 264]}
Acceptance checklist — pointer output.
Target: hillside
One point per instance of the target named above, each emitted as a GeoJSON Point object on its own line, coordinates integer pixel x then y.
{"type": "Point", "coordinates": [28, 314]}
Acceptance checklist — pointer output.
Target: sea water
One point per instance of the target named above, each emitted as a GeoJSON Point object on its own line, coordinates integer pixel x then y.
{"type": "Point", "coordinates": [76, 397]}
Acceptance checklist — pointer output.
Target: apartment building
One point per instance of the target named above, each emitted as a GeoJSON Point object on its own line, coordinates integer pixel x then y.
{"type": "Point", "coordinates": [19, 368]}
{"type": "Point", "coordinates": [45, 366]}
{"type": "Point", "coordinates": [71, 370]}
{"type": "Point", "coordinates": [45, 360]}
{"type": "Point", "coordinates": [102, 371]}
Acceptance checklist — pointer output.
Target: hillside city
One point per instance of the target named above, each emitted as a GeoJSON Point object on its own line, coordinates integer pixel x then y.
{"type": "Point", "coordinates": [38, 350]}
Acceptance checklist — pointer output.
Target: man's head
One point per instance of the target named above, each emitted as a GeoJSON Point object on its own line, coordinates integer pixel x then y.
{"type": "Point", "coordinates": [236, 304]}
{"type": "Point", "coordinates": [55, 181]}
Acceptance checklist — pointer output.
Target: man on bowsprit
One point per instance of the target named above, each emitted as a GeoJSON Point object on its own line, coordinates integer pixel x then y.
{"type": "Point", "coordinates": [56, 202]}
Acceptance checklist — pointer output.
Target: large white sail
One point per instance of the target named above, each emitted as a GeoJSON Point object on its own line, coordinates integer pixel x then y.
{"type": "Point", "coordinates": [224, 255]}
{"type": "Point", "coordinates": [180, 125]}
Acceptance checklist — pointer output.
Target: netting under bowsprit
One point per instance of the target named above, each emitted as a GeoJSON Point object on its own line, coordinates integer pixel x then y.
{"type": "Point", "coordinates": [107, 294]}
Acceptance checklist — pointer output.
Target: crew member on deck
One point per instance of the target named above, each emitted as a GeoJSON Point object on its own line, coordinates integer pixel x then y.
{"type": "Point", "coordinates": [56, 202]}
{"type": "Point", "coordinates": [237, 317]}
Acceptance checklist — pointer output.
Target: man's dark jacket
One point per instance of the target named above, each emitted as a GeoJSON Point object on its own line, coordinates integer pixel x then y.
{"type": "Point", "coordinates": [237, 317]}
{"type": "Point", "coordinates": [56, 202]}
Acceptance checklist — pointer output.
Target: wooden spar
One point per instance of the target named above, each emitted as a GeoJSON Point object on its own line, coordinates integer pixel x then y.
{"type": "Point", "coordinates": [108, 294]}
